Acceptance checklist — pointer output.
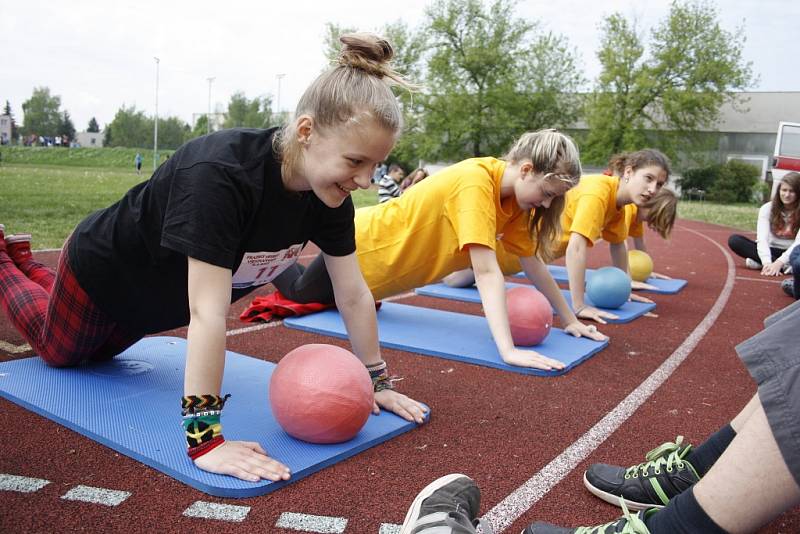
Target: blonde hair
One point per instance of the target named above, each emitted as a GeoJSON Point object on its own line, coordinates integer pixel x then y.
{"type": "Point", "coordinates": [636, 160]}
{"type": "Point", "coordinates": [661, 211]}
{"type": "Point", "coordinates": [359, 87]}
{"type": "Point", "coordinates": [556, 156]}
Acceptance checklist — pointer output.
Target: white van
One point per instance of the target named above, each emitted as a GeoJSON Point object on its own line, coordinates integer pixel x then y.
{"type": "Point", "coordinates": [787, 153]}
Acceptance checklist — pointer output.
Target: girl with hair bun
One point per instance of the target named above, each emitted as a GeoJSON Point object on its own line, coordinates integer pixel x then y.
{"type": "Point", "coordinates": [461, 217]}
{"type": "Point", "coordinates": [226, 214]}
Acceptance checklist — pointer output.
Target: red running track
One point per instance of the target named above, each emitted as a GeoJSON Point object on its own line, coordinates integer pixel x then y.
{"type": "Point", "coordinates": [500, 428]}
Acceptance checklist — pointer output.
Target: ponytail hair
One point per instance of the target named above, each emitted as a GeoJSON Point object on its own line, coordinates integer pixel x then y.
{"type": "Point", "coordinates": [661, 211]}
{"type": "Point", "coordinates": [354, 91]}
{"type": "Point", "coordinates": [555, 155]}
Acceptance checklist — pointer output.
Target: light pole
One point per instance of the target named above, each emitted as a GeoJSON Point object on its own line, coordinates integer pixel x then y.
{"type": "Point", "coordinates": [278, 100]}
{"type": "Point", "coordinates": [208, 117]}
{"type": "Point", "coordinates": [155, 127]}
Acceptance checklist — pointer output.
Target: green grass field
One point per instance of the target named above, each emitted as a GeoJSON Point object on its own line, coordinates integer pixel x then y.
{"type": "Point", "coordinates": [47, 191]}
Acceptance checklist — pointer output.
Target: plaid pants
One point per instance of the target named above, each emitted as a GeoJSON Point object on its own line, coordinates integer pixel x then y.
{"type": "Point", "coordinates": [56, 316]}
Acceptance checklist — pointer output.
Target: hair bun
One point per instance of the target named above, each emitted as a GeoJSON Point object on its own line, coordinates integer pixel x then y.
{"type": "Point", "coordinates": [366, 51]}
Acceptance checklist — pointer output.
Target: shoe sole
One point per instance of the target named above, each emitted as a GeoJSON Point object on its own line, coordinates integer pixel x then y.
{"type": "Point", "coordinates": [614, 499]}
{"type": "Point", "coordinates": [426, 492]}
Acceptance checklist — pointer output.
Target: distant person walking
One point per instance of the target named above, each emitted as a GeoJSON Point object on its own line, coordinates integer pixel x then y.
{"type": "Point", "coordinates": [137, 161]}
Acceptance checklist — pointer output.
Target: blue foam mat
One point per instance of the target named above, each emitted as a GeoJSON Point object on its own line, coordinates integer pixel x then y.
{"type": "Point", "coordinates": [449, 335]}
{"type": "Point", "coordinates": [664, 287]}
{"type": "Point", "coordinates": [626, 313]}
{"type": "Point", "coordinates": [132, 404]}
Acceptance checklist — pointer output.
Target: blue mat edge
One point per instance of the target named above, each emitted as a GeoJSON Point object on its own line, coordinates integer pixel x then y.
{"type": "Point", "coordinates": [292, 322]}
{"type": "Point", "coordinates": [259, 488]}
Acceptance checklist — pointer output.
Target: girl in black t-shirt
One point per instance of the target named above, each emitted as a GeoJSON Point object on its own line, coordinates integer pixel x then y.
{"type": "Point", "coordinates": [227, 213]}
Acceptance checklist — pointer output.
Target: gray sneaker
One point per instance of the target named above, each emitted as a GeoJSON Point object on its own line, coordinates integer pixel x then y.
{"type": "Point", "coordinates": [788, 287]}
{"type": "Point", "coordinates": [447, 505]}
{"type": "Point", "coordinates": [627, 524]}
{"type": "Point", "coordinates": [750, 263]}
{"type": "Point", "coordinates": [651, 484]}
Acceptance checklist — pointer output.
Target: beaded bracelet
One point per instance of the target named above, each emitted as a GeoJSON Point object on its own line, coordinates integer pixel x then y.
{"type": "Point", "coordinates": [201, 423]}
{"type": "Point", "coordinates": [380, 377]}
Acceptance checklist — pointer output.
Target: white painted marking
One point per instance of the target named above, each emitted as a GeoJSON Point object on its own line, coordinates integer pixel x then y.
{"type": "Point", "coordinates": [14, 349]}
{"type": "Point", "coordinates": [312, 523]}
{"type": "Point", "coordinates": [523, 498]}
{"type": "Point", "coordinates": [220, 512]}
{"type": "Point", "coordinates": [102, 496]}
{"type": "Point", "coordinates": [389, 528]}
{"type": "Point", "coordinates": [21, 484]}
{"type": "Point", "coordinates": [767, 280]}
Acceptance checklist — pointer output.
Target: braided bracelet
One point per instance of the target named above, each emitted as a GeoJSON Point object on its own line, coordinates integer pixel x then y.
{"type": "Point", "coordinates": [201, 423]}
{"type": "Point", "coordinates": [380, 377]}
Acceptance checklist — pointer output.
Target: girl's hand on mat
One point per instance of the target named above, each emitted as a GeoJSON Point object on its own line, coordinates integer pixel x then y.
{"type": "Point", "coordinates": [578, 329]}
{"type": "Point", "coordinates": [660, 276]}
{"type": "Point", "coordinates": [246, 460]}
{"type": "Point", "coordinates": [590, 312]}
{"type": "Point", "coordinates": [641, 285]}
{"type": "Point", "coordinates": [529, 358]}
{"type": "Point", "coordinates": [399, 404]}
{"type": "Point", "coordinates": [639, 298]}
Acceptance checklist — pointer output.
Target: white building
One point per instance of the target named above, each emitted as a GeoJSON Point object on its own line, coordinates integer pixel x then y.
{"type": "Point", "coordinates": [89, 139]}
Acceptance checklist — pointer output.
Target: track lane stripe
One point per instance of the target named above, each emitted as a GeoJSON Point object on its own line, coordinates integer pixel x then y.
{"type": "Point", "coordinates": [523, 498]}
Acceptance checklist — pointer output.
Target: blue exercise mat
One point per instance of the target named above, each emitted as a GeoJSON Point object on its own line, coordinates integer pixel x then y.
{"type": "Point", "coordinates": [664, 287]}
{"type": "Point", "coordinates": [454, 336]}
{"type": "Point", "coordinates": [132, 404]}
{"type": "Point", "coordinates": [626, 313]}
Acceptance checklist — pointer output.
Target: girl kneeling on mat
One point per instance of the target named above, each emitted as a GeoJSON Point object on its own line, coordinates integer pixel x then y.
{"type": "Point", "coordinates": [224, 215]}
{"type": "Point", "coordinates": [456, 218]}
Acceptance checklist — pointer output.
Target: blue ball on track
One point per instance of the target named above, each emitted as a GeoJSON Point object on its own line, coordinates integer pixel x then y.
{"type": "Point", "coordinates": [609, 287]}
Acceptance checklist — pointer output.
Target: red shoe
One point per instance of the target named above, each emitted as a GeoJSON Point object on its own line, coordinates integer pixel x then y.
{"type": "Point", "coordinates": [18, 247]}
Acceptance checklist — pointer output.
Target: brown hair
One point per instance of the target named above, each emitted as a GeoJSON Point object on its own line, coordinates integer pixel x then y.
{"type": "Point", "coordinates": [776, 221]}
{"type": "Point", "coordinates": [556, 156]}
{"type": "Point", "coordinates": [354, 91]}
{"type": "Point", "coordinates": [661, 211]}
{"type": "Point", "coordinates": [636, 160]}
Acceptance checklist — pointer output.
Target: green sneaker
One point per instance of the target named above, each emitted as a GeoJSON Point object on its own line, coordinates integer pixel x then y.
{"type": "Point", "coordinates": [665, 474]}
{"type": "Point", "coordinates": [627, 524]}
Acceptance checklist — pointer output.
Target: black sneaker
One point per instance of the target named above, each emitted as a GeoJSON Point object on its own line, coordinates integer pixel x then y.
{"type": "Point", "coordinates": [449, 504]}
{"type": "Point", "coordinates": [788, 287]}
{"type": "Point", "coordinates": [665, 474]}
{"type": "Point", "coordinates": [627, 524]}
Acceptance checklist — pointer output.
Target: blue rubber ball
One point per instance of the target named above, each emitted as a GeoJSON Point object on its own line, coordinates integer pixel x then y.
{"type": "Point", "coordinates": [609, 287]}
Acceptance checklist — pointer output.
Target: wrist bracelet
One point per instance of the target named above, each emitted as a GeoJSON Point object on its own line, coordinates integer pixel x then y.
{"type": "Point", "coordinates": [381, 380]}
{"type": "Point", "coordinates": [201, 423]}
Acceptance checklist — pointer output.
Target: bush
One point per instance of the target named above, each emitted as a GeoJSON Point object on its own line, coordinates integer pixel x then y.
{"type": "Point", "coordinates": [701, 178]}
{"type": "Point", "coordinates": [736, 182]}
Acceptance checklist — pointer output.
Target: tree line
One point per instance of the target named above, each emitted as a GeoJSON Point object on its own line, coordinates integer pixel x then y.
{"type": "Point", "coordinates": [487, 75]}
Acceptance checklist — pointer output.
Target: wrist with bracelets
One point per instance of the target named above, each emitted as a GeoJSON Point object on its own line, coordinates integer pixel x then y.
{"type": "Point", "coordinates": [379, 374]}
{"type": "Point", "coordinates": [201, 423]}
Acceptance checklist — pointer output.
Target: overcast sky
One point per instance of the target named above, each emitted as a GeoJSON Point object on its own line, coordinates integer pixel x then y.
{"type": "Point", "coordinates": [98, 55]}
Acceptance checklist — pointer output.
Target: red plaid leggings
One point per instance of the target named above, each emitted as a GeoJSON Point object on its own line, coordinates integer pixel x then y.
{"type": "Point", "coordinates": [55, 315]}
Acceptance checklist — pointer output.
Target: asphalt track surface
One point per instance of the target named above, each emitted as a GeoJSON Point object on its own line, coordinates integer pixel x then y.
{"type": "Point", "coordinates": [526, 440]}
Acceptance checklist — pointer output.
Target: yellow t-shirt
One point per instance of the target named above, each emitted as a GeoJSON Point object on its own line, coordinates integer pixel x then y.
{"type": "Point", "coordinates": [422, 236]}
{"type": "Point", "coordinates": [634, 225]}
{"type": "Point", "coordinates": [591, 211]}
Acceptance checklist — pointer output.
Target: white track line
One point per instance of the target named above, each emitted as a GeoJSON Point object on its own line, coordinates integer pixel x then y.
{"type": "Point", "coordinates": [220, 512]}
{"type": "Point", "coordinates": [21, 484]}
{"type": "Point", "coordinates": [767, 280]}
{"type": "Point", "coordinates": [14, 349]}
{"type": "Point", "coordinates": [103, 496]}
{"type": "Point", "coordinates": [312, 523]}
{"type": "Point", "coordinates": [523, 498]}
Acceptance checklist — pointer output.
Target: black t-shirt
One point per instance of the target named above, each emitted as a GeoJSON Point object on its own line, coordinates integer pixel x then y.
{"type": "Point", "coordinates": [219, 199]}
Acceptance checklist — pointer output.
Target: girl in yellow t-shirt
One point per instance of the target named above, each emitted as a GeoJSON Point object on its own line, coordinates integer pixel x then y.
{"type": "Point", "coordinates": [595, 209]}
{"type": "Point", "coordinates": [456, 218]}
